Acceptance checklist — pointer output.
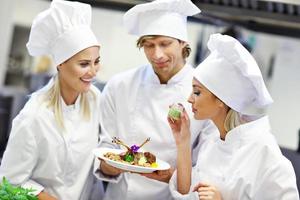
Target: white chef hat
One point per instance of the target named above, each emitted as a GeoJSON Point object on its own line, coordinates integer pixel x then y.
{"type": "Point", "coordinates": [231, 73]}
{"type": "Point", "coordinates": [160, 17]}
{"type": "Point", "coordinates": [62, 31]}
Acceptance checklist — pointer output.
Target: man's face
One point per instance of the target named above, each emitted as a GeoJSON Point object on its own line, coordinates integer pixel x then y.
{"type": "Point", "coordinates": [165, 55]}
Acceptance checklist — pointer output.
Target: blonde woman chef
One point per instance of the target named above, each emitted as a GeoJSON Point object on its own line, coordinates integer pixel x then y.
{"type": "Point", "coordinates": [49, 148]}
{"type": "Point", "coordinates": [243, 161]}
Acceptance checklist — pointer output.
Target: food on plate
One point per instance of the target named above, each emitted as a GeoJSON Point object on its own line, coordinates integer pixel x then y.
{"type": "Point", "coordinates": [175, 111]}
{"type": "Point", "coordinates": [132, 155]}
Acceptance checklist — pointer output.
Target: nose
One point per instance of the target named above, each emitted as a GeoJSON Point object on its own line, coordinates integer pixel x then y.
{"type": "Point", "coordinates": [93, 70]}
{"type": "Point", "coordinates": [191, 99]}
{"type": "Point", "coordinates": [158, 53]}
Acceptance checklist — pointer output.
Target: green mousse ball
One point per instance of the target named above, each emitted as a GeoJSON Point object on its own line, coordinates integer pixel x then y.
{"type": "Point", "coordinates": [175, 112]}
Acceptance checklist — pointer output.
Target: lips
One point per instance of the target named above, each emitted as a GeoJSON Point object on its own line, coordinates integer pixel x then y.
{"type": "Point", "coordinates": [161, 64]}
{"type": "Point", "coordinates": [86, 80]}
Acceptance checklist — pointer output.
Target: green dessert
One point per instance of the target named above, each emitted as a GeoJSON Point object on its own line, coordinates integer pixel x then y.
{"type": "Point", "coordinates": [175, 112]}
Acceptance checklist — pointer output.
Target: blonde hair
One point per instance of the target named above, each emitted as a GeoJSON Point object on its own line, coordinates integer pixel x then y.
{"type": "Point", "coordinates": [232, 120]}
{"type": "Point", "coordinates": [186, 51]}
{"type": "Point", "coordinates": [43, 65]}
{"type": "Point", "coordinates": [54, 101]}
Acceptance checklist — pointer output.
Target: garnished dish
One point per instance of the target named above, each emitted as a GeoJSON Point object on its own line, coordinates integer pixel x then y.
{"type": "Point", "coordinates": [175, 111]}
{"type": "Point", "coordinates": [132, 155]}
{"type": "Point", "coordinates": [131, 159]}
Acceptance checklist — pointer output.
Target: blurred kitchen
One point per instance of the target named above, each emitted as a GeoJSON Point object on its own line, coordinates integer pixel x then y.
{"type": "Point", "coordinates": [270, 29]}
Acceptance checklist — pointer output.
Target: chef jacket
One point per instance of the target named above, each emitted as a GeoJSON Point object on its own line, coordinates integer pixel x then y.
{"type": "Point", "coordinates": [42, 157]}
{"type": "Point", "coordinates": [248, 164]}
{"type": "Point", "coordinates": [134, 107]}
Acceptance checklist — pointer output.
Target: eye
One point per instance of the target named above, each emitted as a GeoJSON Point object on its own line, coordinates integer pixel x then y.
{"type": "Point", "coordinates": [84, 65]}
{"type": "Point", "coordinates": [97, 61]}
{"type": "Point", "coordinates": [166, 43]}
{"type": "Point", "coordinates": [148, 45]}
{"type": "Point", "coordinates": [197, 93]}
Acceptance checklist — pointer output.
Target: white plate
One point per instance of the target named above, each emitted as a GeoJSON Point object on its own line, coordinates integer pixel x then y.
{"type": "Point", "coordinates": [100, 152]}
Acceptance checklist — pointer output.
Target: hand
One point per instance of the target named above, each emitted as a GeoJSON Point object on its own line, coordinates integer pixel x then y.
{"type": "Point", "coordinates": [206, 192]}
{"type": "Point", "coordinates": [109, 170]}
{"type": "Point", "coordinates": [45, 196]}
{"type": "Point", "coordinates": [181, 128]}
{"type": "Point", "coordinates": [160, 175]}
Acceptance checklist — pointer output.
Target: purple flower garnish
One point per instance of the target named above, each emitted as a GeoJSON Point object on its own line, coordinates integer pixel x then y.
{"type": "Point", "coordinates": [134, 148]}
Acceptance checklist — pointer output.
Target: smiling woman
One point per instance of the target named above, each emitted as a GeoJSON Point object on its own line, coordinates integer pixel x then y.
{"type": "Point", "coordinates": [77, 72]}
{"type": "Point", "coordinates": [57, 123]}
{"type": "Point", "coordinates": [74, 77]}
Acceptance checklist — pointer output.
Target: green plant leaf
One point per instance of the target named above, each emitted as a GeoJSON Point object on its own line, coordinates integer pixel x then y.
{"type": "Point", "coordinates": [10, 192]}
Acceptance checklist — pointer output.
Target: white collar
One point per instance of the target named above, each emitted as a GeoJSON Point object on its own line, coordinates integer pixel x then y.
{"type": "Point", "coordinates": [152, 78]}
{"type": "Point", "coordinates": [236, 136]}
{"type": "Point", "coordinates": [70, 108]}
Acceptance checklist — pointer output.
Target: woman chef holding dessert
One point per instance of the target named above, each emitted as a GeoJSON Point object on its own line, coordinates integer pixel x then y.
{"type": "Point", "coordinates": [243, 161]}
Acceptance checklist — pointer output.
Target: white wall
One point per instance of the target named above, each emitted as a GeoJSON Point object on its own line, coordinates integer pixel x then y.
{"type": "Point", "coordinates": [285, 90]}
{"type": "Point", "coordinates": [6, 16]}
{"type": "Point", "coordinates": [25, 11]}
{"type": "Point", "coordinates": [118, 51]}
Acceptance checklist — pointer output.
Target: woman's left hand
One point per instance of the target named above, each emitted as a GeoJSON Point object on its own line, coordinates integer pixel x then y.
{"type": "Point", "coordinates": [181, 128]}
{"type": "Point", "coordinates": [207, 192]}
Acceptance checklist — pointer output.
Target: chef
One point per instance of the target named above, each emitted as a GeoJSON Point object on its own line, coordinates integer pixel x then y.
{"type": "Point", "coordinates": [243, 161]}
{"type": "Point", "coordinates": [135, 103]}
{"type": "Point", "coordinates": [50, 144]}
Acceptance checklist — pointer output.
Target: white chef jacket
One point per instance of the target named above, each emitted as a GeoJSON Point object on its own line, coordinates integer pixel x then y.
{"type": "Point", "coordinates": [40, 156]}
{"type": "Point", "coordinates": [247, 165]}
{"type": "Point", "coordinates": [135, 106]}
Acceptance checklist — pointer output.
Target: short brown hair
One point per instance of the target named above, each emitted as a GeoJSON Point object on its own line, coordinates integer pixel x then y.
{"type": "Point", "coordinates": [186, 51]}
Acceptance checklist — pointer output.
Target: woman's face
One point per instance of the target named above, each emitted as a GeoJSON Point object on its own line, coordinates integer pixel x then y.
{"type": "Point", "coordinates": [205, 104]}
{"type": "Point", "coordinates": [76, 73]}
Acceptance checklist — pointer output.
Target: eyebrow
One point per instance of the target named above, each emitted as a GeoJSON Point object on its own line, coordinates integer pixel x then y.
{"type": "Point", "coordinates": [86, 60]}
{"type": "Point", "coordinates": [198, 86]}
{"type": "Point", "coordinates": [148, 42]}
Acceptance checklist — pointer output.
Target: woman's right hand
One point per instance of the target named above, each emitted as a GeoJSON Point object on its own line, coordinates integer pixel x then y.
{"type": "Point", "coordinates": [181, 129]}
{"type": "Point", "coordinates": [207, 192]}
{"type": "Point", "coordinates": [109, 170]}
{"type": "Point", "coordinates": [45, 196]}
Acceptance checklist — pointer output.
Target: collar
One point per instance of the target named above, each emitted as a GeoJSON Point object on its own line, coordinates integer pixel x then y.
{"type": "Point", "coordinates": [152, 78]}
{"type": "Point", "coordinates": [236, 136]}
{"type": "Point", "coordinates": [71, 108]}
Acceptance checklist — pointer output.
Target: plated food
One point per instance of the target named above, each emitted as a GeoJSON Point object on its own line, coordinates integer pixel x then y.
{"type": "Point", "coordinates": [132, 155]}
{"type": "Point", "coordinates": [132, 159]}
